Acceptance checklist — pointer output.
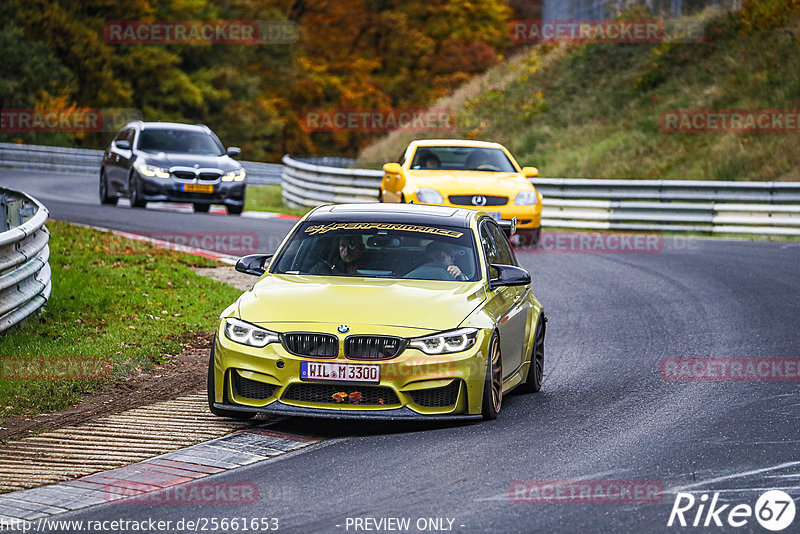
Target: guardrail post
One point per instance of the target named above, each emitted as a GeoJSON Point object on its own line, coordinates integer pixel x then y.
{"type": "Point", "coordinates": [3, 213]}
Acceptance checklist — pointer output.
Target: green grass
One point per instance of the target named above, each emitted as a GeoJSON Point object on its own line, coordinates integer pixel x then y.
{"type": "Point", "coordinates": [593, 110]}
{"type": "Point", "coordinates": [114, 301]}
{"type": "Point", "coordinates": [268, 198]}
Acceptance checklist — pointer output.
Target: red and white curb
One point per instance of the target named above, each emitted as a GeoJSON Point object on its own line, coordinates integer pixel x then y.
{"type": "Point", "coordinates": [214, 210]}
{"type": "Point", "coordinates": [173, 478]}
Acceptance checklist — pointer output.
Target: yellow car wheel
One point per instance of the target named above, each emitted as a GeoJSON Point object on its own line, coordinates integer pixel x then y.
{"type": "Point", "coordinates": [493, 385]}
{"type": "Point", "coordinates": [533, 383]}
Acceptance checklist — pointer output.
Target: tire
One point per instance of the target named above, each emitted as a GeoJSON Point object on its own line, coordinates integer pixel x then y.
{"type": "Point", "coordinates": [104, 197]}
{"type": "Point", "coordinates": [533, 383]}
{"type": "Point", "coordinates": [234, 210]}
{"type": "Point", "coordinates": [231, 414]}
{"type": "Point", "coordinates": [493, 383]}
{"type": "Point", "coordinates": [134, 190]}
{"type": "Point", "coordinates": [201, 208]}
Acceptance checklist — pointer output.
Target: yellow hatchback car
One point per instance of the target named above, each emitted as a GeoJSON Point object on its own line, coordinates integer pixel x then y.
{"type": "Point", "coordinates": [380, 311]}
{"type": "Point", "coordinates": [468, 174]}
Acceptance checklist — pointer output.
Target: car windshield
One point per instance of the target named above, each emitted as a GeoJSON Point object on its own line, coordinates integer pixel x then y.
{"type": "Point", "coordinates": [380, 250]}
{"type": "Point", "coordinates": [179, 141]}
{"type": "Point", "coordinates": [461, 159]}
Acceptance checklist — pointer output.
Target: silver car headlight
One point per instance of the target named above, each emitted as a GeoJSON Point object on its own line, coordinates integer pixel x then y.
{"type": "Point", "coordinates": [234, 176]}
{"type": "Point", "coordinates": [446, 342]}
{"type": "Point", "coordinates": [526, 198]}
{"type": "Point", "coordinates": [152, 171]}
{"type": "Point", "coordinates": [429, 196]}
{"type": "Point", "coordinates": [245, 333]}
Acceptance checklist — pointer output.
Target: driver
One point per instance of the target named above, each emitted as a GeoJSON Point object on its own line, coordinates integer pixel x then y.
{"type": "Point", "coordinates": [348, 259]}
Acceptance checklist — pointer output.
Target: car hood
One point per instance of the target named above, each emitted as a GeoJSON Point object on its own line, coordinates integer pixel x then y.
{"type": "Point", "coordinates": [167, 160]}
{"type": "Point", "coordinates": [427, 306]}
{"type": "Point", "coordinates": [468, 182]}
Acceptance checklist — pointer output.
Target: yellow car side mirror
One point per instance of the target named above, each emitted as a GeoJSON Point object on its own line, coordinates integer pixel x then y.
{"type": "Point", "coordinates": [529, 172]}
{"type": "Point", "coordinates": [393, 168]}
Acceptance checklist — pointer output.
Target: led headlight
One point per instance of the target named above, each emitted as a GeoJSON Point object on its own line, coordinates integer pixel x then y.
{"type": "Point", "coordinates": [429, 196]}
{"type": "Point", "coordinates": [234, 176]}
{"type": "Point", "coordinates": [151, 171]}
{"type": "Point", "coordinates": [249, 334]}
{"type": "Point", "coordinates": [526, 198]}
{"type": "Point", "coordinates": [446, 342]}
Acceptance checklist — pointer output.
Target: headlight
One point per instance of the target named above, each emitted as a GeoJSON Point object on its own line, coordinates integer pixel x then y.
{"type": "Point", "coordinates": [446, 342]}
{"type": "Point", "coordinates": [151, 171]}
{"type": "Point", "coordinates": [526, 198]}
{"type": "Point", "coordinates": [248, 334]}
{"type": "Point", "coordinates": [429, 196]}
{"type": "Point", "coordinates": [234, 176]}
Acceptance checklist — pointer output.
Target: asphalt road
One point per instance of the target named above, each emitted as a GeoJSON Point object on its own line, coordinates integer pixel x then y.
{"type": "Point", "coordinates": [605, 412]}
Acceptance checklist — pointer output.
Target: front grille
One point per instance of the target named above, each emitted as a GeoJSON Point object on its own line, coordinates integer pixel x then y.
{"type": "Point", "coordinates": [373, 347]}
{"type": "Point", "coordinates": [209, 176]}
{"type": "Point", "coordinates": [184, 175]}
{"type": "Point", "coordinates": [324, 393]}
{"type": "Point", "coordinates": [251, 389]}
{"type": "Point", "coordinates": [466, 200]}
{"type": "Point", "coordinates": [437, 397]}
{"type": "Point", "coordinates": [311, 345]}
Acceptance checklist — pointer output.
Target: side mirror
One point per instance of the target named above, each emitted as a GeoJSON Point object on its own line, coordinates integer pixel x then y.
{"type": "Point", "coordinates": [530, 172]}
{"type": "Point", "coordinates": [123, 144]}
{"type": "Point", "coordinates": [509, 275]}
{"type": "Point", "coordinates": [393, 168]}
{"type": "Point", "coordinates": [253, 264]}
{"type": "Point", "coordinates": [234, 151]}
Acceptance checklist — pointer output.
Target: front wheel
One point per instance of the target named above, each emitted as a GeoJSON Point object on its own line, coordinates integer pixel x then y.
{"type": "Point", "coordinates": [493, 384]}
{"type": "Point", "coordinates": [536, 369]}
{"type": "Point", "coordinates": [104, 196]}
{"type": "Point", "coordinates": [234, 210]}
{"type": "Point", "coordinates": [135, 188]}
{"type": "Point", "coordinates": [231, 414]}
{"type": "Point", "coordinates": [201, 208]}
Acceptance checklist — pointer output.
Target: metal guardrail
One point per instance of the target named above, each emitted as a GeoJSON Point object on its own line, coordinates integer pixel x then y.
{"type": "Point", "coordinates": [25, 283]}
{"type": "Point", "coordinates": [652, 205]}
{"type": "Point", "coordinates": [87, 162]}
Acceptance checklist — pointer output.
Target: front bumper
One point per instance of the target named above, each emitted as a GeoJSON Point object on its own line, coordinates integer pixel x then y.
{"type": "Point", "coordinates": [528, 217]}
{"type": "Point", "coordinates": [412, 385]}
{"type": "Point", "coordinates": [171, 190]}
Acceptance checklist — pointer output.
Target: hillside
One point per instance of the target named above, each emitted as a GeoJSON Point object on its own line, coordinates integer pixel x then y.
{"type": "Point", "coordinates": [595, 110]}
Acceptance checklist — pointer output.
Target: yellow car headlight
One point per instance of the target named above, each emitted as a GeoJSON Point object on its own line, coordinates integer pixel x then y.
{"type": "Point", "coordinates": [234, 176]}
{"type": "Point", "coordinates": [246, 333]}
{"type": "Point", "coordinates": [526, 198]}
{"type": "Point", "coordinates": [429, 196]}
{"type": "Point", "coordinates": [446, 342]}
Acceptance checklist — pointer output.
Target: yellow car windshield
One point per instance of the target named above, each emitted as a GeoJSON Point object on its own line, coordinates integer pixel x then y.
{"type": "Point", "coordinates": [461, 159]}
{"type": "Point", "coordinates": [380, 250]}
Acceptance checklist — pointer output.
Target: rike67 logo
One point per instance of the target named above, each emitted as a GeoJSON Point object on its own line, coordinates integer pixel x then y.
{"type": "Point", "coordinates": [774, 510]}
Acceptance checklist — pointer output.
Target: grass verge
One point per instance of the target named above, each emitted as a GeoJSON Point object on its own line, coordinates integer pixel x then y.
{"type": "Point", "coordinates": [268, 198]}
{"type": "Point", "coordinates": [116, 305]}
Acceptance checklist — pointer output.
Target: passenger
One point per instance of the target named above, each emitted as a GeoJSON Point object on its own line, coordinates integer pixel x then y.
{"type": "Point", "coordinates": [440, 260]}
{"type": "Point", "coordinates": [348, 257]}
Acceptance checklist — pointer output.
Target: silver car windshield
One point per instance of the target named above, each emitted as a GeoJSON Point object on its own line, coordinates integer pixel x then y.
{"type": "Point", "coordinates": [380, 250]}
{"type": "Point", "coordinates": [180, 142]}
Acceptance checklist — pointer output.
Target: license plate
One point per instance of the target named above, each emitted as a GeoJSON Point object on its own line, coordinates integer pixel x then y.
{"type": "Point", "coordinates": [494, 215]}
{"type": "Point", "coordinates": [198, 188]}
{"type": "Point", "coordinates": [340, 372]}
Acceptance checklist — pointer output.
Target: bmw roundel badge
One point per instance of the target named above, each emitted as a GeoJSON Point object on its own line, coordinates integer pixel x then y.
{"type": "Point", "coordinates": [343, 329]}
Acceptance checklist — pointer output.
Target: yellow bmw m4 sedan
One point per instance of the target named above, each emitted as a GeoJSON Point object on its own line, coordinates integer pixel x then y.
{"type": "Point", "coordinates": [381, 311]}
{"type": "Point", "coordinates": [471, 174]}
